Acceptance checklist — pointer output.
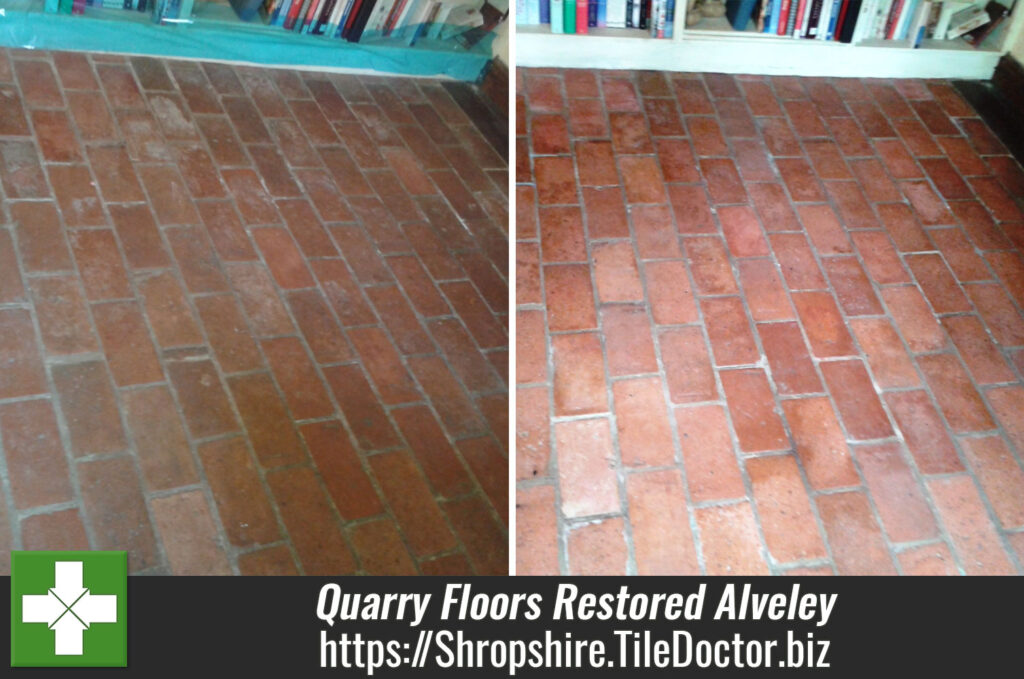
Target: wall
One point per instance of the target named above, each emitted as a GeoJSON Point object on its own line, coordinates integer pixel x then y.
{"type": "Point", "coordinates": [499, 48]}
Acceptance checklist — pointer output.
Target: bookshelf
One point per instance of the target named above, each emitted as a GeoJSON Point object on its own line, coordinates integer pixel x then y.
{"type": "Point", "coordinates": [217, 34]}
{"type": "Point", "coordinates": [714, 46]}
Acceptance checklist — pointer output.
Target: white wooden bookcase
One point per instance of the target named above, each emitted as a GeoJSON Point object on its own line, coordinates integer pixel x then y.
{"type": "Point", "coordinates": [713, 46]}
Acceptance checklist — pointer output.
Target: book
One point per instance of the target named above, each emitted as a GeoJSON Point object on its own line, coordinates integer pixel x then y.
{"type": "Point", "coordinates": [833, 18]}
{"type": "Point", "coordinates": [813, 19]}
{"type": "Point", "coordinates": [919, 24]}
{"type": "Point", "coordinates": [823, 20]}
{"type": "Point", "coordinates": [849, 25]}
{"type": "Point", "coordinates": [582, 14]}
{"type": "Point", "coordinates": [739, 12]}
{"type": "Point", "coordinates": [996, 14]}
{"type": "Point", "coordinates": [967, 20]}
{"type": "Point", "coordinates": [616, 14]}
{"type": "Point", "coordinates": [791, 18]}
{"type": "Point", "coordinates": [569, 15]}
{"type": "Point", "coordinates": [557, 16]}
{"type": "Point", "coordinates": [592, 13]}
{"type": "Point", "coordinates": [544, 11]}
{"type": "Point", "coordinates": [783, 17]}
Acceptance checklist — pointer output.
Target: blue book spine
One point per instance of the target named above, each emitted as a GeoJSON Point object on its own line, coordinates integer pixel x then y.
{"type": "Point", "coordinates": [592, 13]}
{"type": "Point", "coordinates": [602, 13]}
{"type": "Point", "coordinates": [776, 11]}
{"type": "Point", "coordinates": [545, 11]}
{"type": "Point", "coordinates": [670, 17]}
{"type": "Point", "coordinates": [836, 4]}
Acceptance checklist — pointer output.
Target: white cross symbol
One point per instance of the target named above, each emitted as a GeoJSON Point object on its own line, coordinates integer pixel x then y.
{"type": "Point", "coordinates": [68, 608]}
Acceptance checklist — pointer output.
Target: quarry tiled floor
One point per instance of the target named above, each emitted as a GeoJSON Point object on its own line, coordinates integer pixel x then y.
{"type": "Point", "coordinates": [251, 321]}
{"type": "Point", "coordinates": [765, 325]}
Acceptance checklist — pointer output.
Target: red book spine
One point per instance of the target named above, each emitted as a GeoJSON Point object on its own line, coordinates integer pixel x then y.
{"type": "Point", "coordinates": [784, 16]}
{"type": "Point", "coordinates": [894, 15]}
{"type": "Point", "coordinates": [293, 15]}
{"type": "Point", "coordinates": [799, 17]}
{"type": "Point", "coordinates": [842, 17]}
{"type": "Point", "coordinates": [582, 7]}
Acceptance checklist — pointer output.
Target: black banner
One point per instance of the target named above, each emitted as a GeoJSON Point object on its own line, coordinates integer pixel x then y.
{"type": "Point", "coordinates": [499, 627]}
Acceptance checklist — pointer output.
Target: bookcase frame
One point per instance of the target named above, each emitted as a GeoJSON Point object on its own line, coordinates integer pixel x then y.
{"type": "Point", "coordinates": [217, 34]}
{"type": "Point", "coordinates": [717, 48]}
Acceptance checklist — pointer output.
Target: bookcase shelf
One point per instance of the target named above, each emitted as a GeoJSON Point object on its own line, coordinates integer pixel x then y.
{"type": "Point", "coordinates": [217, 34]}
{"type": "Point", "coordinates": [714, 46]}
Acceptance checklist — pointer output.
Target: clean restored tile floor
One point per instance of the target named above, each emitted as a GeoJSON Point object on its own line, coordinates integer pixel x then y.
{"type": "Point", "coordinates": [766, 325]}
{"type": "Point", "coordinates": [251, 321]}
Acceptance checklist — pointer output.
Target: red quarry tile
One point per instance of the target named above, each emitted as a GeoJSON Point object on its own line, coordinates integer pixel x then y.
{"type": "Point", "coordinates": [126, 342]}
{"type": "Point", "coordinates": [669, 294]}
{"type": "Point", "coordinates": [266, 420]}
{"type": "Point", "coordinates": [752, 160]}
{"type": "Point", "coordinates": [979, 353]}
{"type": "Point", "coordinates": [914, 319]}
{"type": "Point", "coordinates": [606, 213]}
{"type": "Point", "coordinates": [628, 343]}
{"type": "Point", "coordinates": [56, 138]}
{"type": "Point", "coordinates": [569, 298]}
{"type": "Point", "coordinates": [791, 365]}
{"type": "Point", "coordinates": [307, 516]}
{"type": "Point", "coordinates": [709, 263]}
{"type": "Point", "coordinates": [849, 137]}
{"type": "Point", "coordinates": [800, 180]}
{"type": "Point", "coordinates": [629, 133]}
{"type": "Point", "coordinates": [115, 509]}
{"type": "Point", "coordinates": [189, 535]}
{"type": "Point", "coordinates": [1005, 402]}
{"type": "Point", "coordinates": [900, 500]}
{"type": "Point", "coordinates": [732, 342]}
{"type": "Point", "coordinates": [958, 399]}
{"type": "Point", "coordinates": [928, 206]}
{"type": "Point", "coordinates": [853, 534]}
{"type": "Point", "coordinates": [537, 541]}
{"type": "Point", "coordinates": [21, 173]}
{"type": "Point", "coordinates": [598, 548]}
{"type": "Point", "coordinates": [169, 315]}
{"type": "Point", "coordinates": [159, 437]}
{"type": "Point", "coordinates": [826, 331]}
{"type": "Point", "coordinates": [897, 159]}
{"type": "Point", "coordinates": [40, 237]}
{"type": "Point", "coordinates": [853, 289]}
{"type": "Point", "coordinates": [824, 230]}
{"type": "Point", "coordinates": [763, 290]}
{"type": "Point", "coordinates": [687, 365]}
{"type": "Point", "coordinates": [297, 377]}
{"type": "Point", "coordinates": [561, 235]}
{"type": "Point", "coordinates": [490, 467]}
{"type": "Point", "coordinates": [691, 208]}
{"type": "Point", "coordinates": [729, 541]}
{"type": "Point", "coordinates": [658, 508]}
{"type": "Point", "coordinates": [773, 207]}
{"type": "Point", "coordinates": [712, 472]}
{"type": "Point", "coordinates": [874, 181]}
{"type": "Point", "coordinates": [856, 399]}
{"type": "Point", "coordinates": [677, 160]}
{"type": "Point", "coordinates": [642, 179]}
{"type": "Point", "coordinates": [960, 255]}
{"type": "Point", "coordinates": [204, 401]}
{"type": "Point", "coordinates": [89, 407]}
{"type": "Point", "coordinates": [975, 541]}
{"type": "Point", "coordinates": [1000, 477]}
{"type": "Point", "coordinates": [465, 359]}
{"type": "Point", "coordinates": [797, 262]}
{"type": "Point", "coordinates": [585, 465]}
{"type": "Point", "coordinates": [758, 427]}
{"type": "Point", "coordinates": [883, 263]}
{"type": "Point", "coordinates": [531, 347]}
{"type": "Point", "coordinates": [654, 233]}
{"type": "Point", "coordinates": [342, 471]}
{"type": "Point", "coordinates": [36, 466]}
{"type": "Point", "coordinates": [742, 232]}
{"type": "Point", "coordinates": [997, 310]}
{"type": "Point", "coordinates": [61, 531]}
{"type": "Point", "coordinates": [819, 443]}
{"type": "Point", "coordinates": [853, 207]}
{"type": "Point", "coordinates": [644, 433]}
{"type": "Point", "coordinates": [923, 432]}
{"type": "Point", "coordinates": [779, 137]}
{"type": "Point", "coordinates": [587, 118]}
{"type": "Point", "coordinates": [903, 227]}
{"type": "Point", "coordinates": [889, 361]}
{"type": "Point", "coordinates": [938, 283]}
{"type": "Point", "coordinates": [724, 183]}
{"type": "Point", "coordinates": [931, 559]}
{"type": "Point", "coordinates": [380, 549]}
{"type": "Point", "coordinates": [384, 365]}
{"type": "Point", "coordinates": [556, 182]}
{"type": "Point", "coordinates": [579, 377]}
{"type": "Point", "coordinates": [706, 135]}
{"type": "Point", "coordinates": [615, 272]}
{"type": "Point", "coordinates": [790, 530]}
{"type": "Point", "coordinates": [61, 311]}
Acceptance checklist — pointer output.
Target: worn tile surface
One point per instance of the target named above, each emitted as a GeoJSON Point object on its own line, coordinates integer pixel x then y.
{"type": "Point", "coordinates": [765, 325]}
{"type": "Point", "coordinates": [251, 321]}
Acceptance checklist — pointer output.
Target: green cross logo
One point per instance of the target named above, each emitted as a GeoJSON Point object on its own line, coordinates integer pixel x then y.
{"type": "Point", "coordinates": [69, 609]}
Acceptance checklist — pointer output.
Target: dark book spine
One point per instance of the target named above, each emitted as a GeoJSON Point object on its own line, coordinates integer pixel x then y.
{"type": "Point", "coordinates": [643, 13]}
{"type": "Point", "coordinates": [591, 13]}
{"type": "Point", "coordinates": [629, 13]}
{"type": "Point", "coordinates": [812, 22]}
{"type": "Point", "coordinates": [318, 27]}
{"type": "Point", "coordinates": [850, 22]}
{"type": "Point", "coordinates": [360, 23]}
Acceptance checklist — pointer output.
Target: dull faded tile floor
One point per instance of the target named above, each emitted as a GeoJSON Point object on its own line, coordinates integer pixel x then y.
{"type": "Point", "coordinates": [766, 325]}
{"type": "Point", "coordinates": [251, 321]}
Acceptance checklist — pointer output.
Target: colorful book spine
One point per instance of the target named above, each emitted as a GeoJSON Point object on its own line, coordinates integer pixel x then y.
{"type": "Point", "coordinates": [557, 16]}
{"type": "Point", "coordinates": [783, 18]}
{"type": "Point", "coordinates": [582, 15]}
{"type": "Point", "coordinates": [592, 13]}
{"type": "Point", "coordinates": [569, 15]}
{"type": "Point", "coordinates": [545, 11]}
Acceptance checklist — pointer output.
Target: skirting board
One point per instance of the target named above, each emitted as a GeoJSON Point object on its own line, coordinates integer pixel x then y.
{"type": "Point", "coordinates": [24, 25]}
{"type": "Point", "coordinates": [754, 55]}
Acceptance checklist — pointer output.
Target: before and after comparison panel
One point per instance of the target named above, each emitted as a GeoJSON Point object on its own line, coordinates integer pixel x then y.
{"type": "Point", "coordinates": [457, 288]}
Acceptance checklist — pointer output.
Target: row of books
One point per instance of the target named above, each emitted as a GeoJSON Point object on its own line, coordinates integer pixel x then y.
{"type": "Point", "coordinates": [578, 16]}
{"type": "Point", "coordinates": [405, 20]}
{"type": "Point", "coordinates": [909, 21]}
{"type": "Point", "coordinates": [163, 11]}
